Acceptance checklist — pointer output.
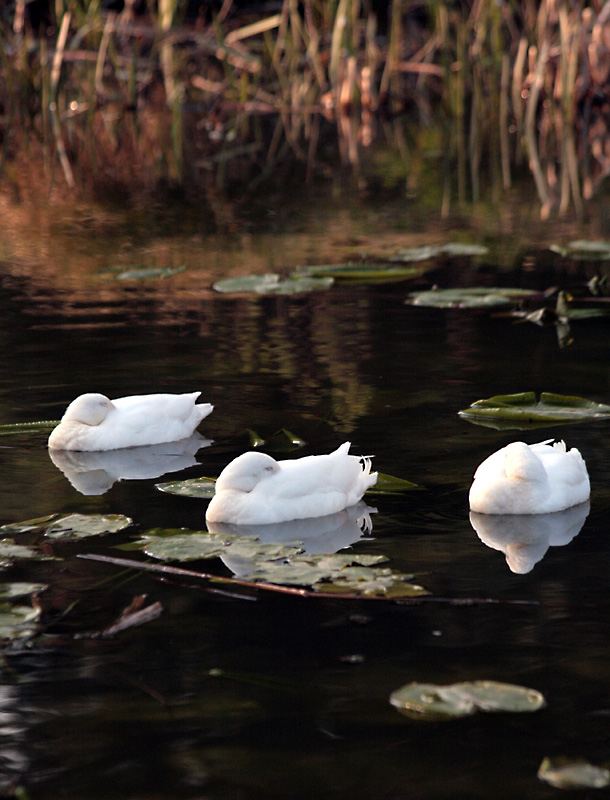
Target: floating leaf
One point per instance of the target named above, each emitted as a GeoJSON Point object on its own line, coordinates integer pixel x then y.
{"type": "Point", "coordinates": [583, 250]}
{"type": "Point", "coordinates": [180, 544]}
{"type": "Point", "coordinates": [76, 526]}
{"type": "Point", "coordinates": [388, 484]}
{"type": "Point", "coordinates": [473, 297]}
{"type": "Point", "coordinates": [271, 283]}
{"type": "Point", "coordinates": [183, 545]}
{"type": "Point", "coordinates": [360, 271]}
{"type": "Point", "coordinates": [344, 574]}
{"type": "Point", "coordinates": [9, 551]}
{"type": "Point", "coordinates": [202, 488]}
{"type": "Point", "coordinates": [143, 273]}
{"type": "Point", "coordinates": [282, 441]}
{"type": "Point", "coordinates": [81, 526]}
{"type": "Point", "coordinates": [17, 621]}
{"type": "Point", "coordinates": [28, 427]}
{"type": "Point", "coordinates": [451, 249]}
{"type": "Point", "coordinates": [522, 410]}
{"type": "Point", "coordinates": [11, 590]}
{"type": "Point", "coordinates": [430, 701]}
{"type": "Point", "coordinates": [568, 773]}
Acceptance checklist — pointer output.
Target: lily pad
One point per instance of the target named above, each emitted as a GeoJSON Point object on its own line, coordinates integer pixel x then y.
{"type": "Point", "coordinates": [75, 526]}
{"type": "Point", "coordinates": [9, 552]}
{"type": "Point", "coordinates": [473, 297]}
{"type": "Point", "coordinates": [584, 250]}
{"type": "Point", "coordinates": [9, 591]}
{"type": "Point", "coordinates": [144, 273]}
{"type": "Point", "coordinates": [451, 249]}
{"type": "Point", "coordinates": [522, 410]}
{"type": "Point", "coordinates": [430, 701]}
{"type": "Point", "coordinates": [272, 283]}
{"type": "Point", "coordinates": [345, 574]}
{"type": "Point", "coordinates": [388, 484]}
{"type": "Point", "coordinates": [360, 271]}
{"type": "Point", "coordinates": [81, 526]}
{"type": "Point", "coordinates": [183, 545]}
{"type": "Point", "coordinates": [282, 441]}
{"type": "Point", "coordinates": [202, 488]}
{"type": "Point", "coordinates": [569, 773]}
{"type": "Point", "coordinates": [17, 622]}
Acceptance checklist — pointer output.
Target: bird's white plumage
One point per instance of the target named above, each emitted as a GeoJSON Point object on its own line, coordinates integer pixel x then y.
{"type": "Point", "coordinates": [93, 422]}
{"type": "Point", "coordinates": [255, 489]}
{"type": "Point", "coordinates": [530, 479]}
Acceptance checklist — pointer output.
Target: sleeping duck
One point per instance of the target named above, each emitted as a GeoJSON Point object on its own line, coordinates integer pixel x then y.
{"type": "Point", "coordinates": [530, 479]}
{"type": "Point", "coordinates": [255, 489]}
{"type": "Point", "coordinates": [93, 422]}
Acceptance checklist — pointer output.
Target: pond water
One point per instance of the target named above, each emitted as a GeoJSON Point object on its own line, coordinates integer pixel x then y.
{"type": "Point", "coordinates": [260, 695]}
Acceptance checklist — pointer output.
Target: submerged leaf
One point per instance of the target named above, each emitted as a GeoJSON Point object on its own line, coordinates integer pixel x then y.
{"type": "Point", "coordinates": [271, 283]}
{"type": "Point", "coordinates": [568, 773]}
{"type": "Point", "coordinates": [430, 701]}
{"type": "Point", "coordinates": [282, 441]}
{"type": "Point", "coordinates": [81, 526]}
{"type": "Point", "coordinates": [203, 488]}
{"type": "Point", "coordinates": [515, 410]}
{"type": "Point", "coordinates": [451, 249]}
{"type": "Point", "coordinates": [184, 545]}
{"type": "Point", "coordinates": [473, 297]}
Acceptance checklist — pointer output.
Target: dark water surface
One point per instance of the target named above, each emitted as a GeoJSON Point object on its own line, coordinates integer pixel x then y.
{"type": "Point", "coordinates": [301, 709]}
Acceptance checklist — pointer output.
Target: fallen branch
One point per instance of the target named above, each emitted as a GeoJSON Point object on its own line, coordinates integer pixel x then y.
{"type": "Point", "coordinates": [165, 570]}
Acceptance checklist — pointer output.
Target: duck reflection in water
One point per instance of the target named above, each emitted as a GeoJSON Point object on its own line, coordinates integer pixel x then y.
{"type": "Point", "coordinates": [94, 473]}
{"type": "Point", "coordinates": [525, 538]}
{"type": "Point", "coordinates": [317, 535]}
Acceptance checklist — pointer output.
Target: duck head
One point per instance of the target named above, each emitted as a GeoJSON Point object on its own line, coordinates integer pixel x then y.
{"type": "Point", "coordinates": [521, 464]}
{"type": "Point", "coordinates": [246, 471]}
{"type": "Point", "coordinates": [90, 409]}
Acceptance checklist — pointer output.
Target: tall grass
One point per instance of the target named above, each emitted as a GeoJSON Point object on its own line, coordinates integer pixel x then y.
{"type": "Point", "coordinates": [109, 99]}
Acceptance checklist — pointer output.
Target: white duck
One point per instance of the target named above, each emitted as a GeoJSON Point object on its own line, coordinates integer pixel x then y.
{"type": "Point", "coordinates": [255, 489]}
{"type": "Point", "coordinates": [93, 422]}
{"type": "Point", "coordinates": [530, 479]}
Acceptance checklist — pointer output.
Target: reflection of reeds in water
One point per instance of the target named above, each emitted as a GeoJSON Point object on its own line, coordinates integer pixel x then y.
{"type": "Point", "coordinates": [125, 100]}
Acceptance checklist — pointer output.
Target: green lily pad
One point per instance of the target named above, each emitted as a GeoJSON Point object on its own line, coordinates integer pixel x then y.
{"type": "Point", "coordinates": [183, 545]}
{"type": "Point", "coordinates": [202, 488]}
{"type": "Point", "coordinates": [473, 297]}
{"type": "Point", "coordinates": [144, 273]}
{"type": "Point", "coordinates": [572, 773]}
{"type": "Point", "coordinates": [9, 552]}
{"type": "Point", "coordinates": [9, 591]}
{"type": "Point", "coordinates": [75, 526]}
{"type": "Point", "coordinates": [451, 249]}
{"type": "Point", "coordinates": [583, 250]}
{"type": "Point", "coordinates": [522, 410]}
{"type": "Point", "coordinates": [282, 441]}
{"type": "Point", "coordinates": [430, 701]}
{"type": "Point", "coordinates": [81, 526]}
{"type": "Point", "coordinates": [272, 283]}
{"type": "Point", "coordinates": [340, 573]}
{"type": "Point", "coordinates": [360, 271]}
{"type": "Point", "coordinates": [17, 622]}
{"type": "Point", "coordinates": [388, 484]}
